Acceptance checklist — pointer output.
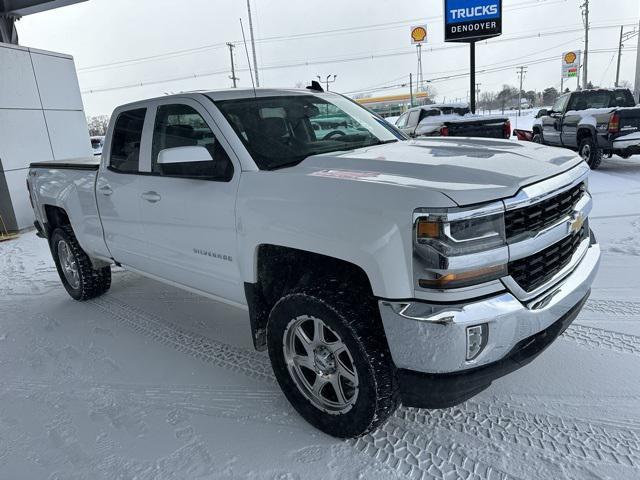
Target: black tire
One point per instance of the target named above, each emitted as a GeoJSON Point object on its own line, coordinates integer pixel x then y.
{"type": "Point", "coordinates": [360, 329]}
{"type": "Point", "coordinates": [91, 282]}
{"type": "Point", "coordinates": [590, 152]}
{"type": "Point", "coordinates": [537, 138]}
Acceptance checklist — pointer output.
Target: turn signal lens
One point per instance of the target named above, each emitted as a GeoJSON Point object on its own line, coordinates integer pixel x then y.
{"type": "Point", "coordinates": [428, 229]}
{"type": "Point", "coordinates": [463, 279]}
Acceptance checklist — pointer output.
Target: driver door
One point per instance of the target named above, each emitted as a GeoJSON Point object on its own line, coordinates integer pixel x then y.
{"type": "Point", "coordinates": [552, 123]}
{"type": "Point", "coordinates": [187, 210]}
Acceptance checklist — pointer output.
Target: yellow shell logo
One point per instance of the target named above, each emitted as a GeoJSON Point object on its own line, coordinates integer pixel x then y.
{"type": "Point", "coordinates": [418, 34]}
{"type": "Point", "coordinates": [569, 58]}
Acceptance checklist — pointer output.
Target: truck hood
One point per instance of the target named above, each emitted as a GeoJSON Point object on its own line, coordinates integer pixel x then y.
{"type": "Point", "coordinates": [467, 170]}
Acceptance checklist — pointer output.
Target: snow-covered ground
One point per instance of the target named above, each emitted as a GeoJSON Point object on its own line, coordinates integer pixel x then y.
{"type": "Point", "coordinates": [149, 382]}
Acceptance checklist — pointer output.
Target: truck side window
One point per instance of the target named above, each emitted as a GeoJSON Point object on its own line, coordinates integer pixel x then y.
{"type": "Point", "coordinates": [402, 121]}
{"type": "Point", "coordinates": [561, 102]}
{"type": "Point", "coordinates": [125, 146]}
{"type": "Point", "coordinates": [182, 126]}
{"type": "Point", "coordinates": [413, 118]}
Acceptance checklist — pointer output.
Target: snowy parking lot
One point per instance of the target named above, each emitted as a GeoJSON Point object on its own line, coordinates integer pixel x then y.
{"type": "Point", "coordinates": [150, 382]}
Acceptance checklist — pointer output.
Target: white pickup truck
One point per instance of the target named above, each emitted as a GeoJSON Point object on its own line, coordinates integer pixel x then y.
{"type": "Point", "coordinates": [376, 270]}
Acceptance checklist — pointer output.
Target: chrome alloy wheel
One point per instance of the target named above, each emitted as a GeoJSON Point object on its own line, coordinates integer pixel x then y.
{"type": "Point", "coordinates": [320, 365]}
{"type": "Point", "coordinates": [585, 153]}
{"type": "Point", "coordinates": [68, 264]}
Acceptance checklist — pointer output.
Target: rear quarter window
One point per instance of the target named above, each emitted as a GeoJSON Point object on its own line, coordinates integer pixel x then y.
{"type": "Point", "coordinates": [125, 145]}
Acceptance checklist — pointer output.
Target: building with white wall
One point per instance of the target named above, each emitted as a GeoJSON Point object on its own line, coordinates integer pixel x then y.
{"type": "Point", "coordinates": [41, 118]}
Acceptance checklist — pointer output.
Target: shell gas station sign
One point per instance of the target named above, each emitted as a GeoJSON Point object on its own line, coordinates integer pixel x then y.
{"type": "Point", "coordinates": [570, 64]}
{"type": "Point", "coordinates": [419, 34]}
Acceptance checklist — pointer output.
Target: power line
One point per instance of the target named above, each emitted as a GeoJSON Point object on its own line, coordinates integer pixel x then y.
{"type": "Point", "coordinates": [219, 72]}
{"type": "Point", "coordinates": [316, 34]}
{"type": "Point", "coordinates": [332, 61]}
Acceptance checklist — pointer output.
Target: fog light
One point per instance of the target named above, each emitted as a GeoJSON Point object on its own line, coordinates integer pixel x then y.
{"type": "Point", "coordinates": [476, 340]}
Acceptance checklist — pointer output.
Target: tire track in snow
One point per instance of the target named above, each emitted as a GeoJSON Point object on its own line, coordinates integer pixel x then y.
{"type": "Point", "coordinates": [562, 437]}
{"type": "Point", "coordinates": [391, 446]}
{"type": "Point", "coordinates": [252, 364]}
{"type": "Point", "coordinates": [417, 456]}
{"type": "Point", "coordinates": [600, 338]}
{"type": "Point", "coordinates": [613, 307]}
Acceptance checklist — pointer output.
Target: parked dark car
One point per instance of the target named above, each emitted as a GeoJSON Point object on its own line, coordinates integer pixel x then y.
{"type": "Point", "coordinates": [451, 120]}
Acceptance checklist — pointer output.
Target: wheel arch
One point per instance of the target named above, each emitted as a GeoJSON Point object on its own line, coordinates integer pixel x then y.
{"type": "Point", "coordinates": [584, 131]}
{"type": "Point", "coordinates": [55, 217]}
{"type": "Point", "coordinates": [283, 269]}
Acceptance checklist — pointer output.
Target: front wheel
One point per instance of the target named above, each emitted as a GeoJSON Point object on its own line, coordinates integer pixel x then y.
{"type": "Point", "coordinates": [78, 276]}
{"type": "Point", "coordinates": [332, 363]}
{"type": "Point", "coordinates": [590, 152]}
{"type": "Point", "coordinates": [537, 138]}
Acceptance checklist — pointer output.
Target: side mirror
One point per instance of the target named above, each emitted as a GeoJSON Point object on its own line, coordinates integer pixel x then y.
{"type": "Point", "coordinates": [543, 112]}
{"type": "Point", "coordinates": [191, 154]}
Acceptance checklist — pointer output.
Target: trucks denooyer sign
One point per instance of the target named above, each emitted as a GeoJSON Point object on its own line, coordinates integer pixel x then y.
{"type": "Point", "coordinates": [470, 20]}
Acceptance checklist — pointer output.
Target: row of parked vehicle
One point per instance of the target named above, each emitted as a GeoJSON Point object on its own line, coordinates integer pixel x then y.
{"type": "Point", "coordinates": [595, 123]}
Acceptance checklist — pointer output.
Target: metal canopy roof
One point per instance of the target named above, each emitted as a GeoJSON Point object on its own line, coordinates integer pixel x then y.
{"type": "Point", "coordinates": [27, 7]}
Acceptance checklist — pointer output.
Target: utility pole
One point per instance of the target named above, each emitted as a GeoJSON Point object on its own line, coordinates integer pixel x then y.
{"type": "Point", "coordinates": [411, 90]}
{"type": "Point", "coordinates": [636, 87]}
{"type": "Point", "coordinates": [253, 43]}
{"type": "Point", "coordinates": [619, 56]}
{"type": "Point", "coordinates": [233, 69]}
{"type": "Point", "coordinates": [623, 38]}
{"type": "Point", "coordinates": [521, 72]}
{"type": "Point", "coordinates": [327, 80]}
{"type": "Point", "coordinates": [472, 75]}
{"type": "Point", "coordinates": [585, 64]}
{"type": "Point", "coordinates": [477, 92]}
{"type": "Point", "coordinates": [419, 78]}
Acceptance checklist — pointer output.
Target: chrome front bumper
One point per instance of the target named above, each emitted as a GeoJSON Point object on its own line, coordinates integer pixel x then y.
{"type": "Point", "coordinates": [431, 338]}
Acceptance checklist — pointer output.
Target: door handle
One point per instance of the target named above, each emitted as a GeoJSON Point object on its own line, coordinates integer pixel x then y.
{"type": "Point", "coordinates": [105, 190]}
{"type": "Point", "coordinates": [151, 197]}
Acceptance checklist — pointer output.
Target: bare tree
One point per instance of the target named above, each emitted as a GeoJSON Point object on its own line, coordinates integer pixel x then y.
{"type": "Point", "coordinates": [98, 124]}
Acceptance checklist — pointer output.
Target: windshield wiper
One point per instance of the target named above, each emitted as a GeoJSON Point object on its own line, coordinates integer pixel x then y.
{"type": "Point", "coordinates": [382, 142]}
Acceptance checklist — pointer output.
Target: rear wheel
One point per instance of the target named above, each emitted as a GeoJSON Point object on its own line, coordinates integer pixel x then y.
{"type": "Point", "coordinates": [590, 152]}
{"type": "Point", "coordinates": [78, 276]}
{"type": "Point", "coordinates": [332, 362]}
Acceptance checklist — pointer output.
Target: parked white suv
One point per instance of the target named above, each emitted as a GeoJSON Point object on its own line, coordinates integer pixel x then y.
{"type": "Point", "coordinates": [375, 269]}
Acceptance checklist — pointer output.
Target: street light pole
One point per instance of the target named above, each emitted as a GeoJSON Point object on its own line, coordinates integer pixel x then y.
{"type": "Point", "coordinates": [327, 80]}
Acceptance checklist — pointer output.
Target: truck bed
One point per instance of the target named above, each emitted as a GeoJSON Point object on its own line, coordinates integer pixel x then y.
{"type": "Point", "coordinates": [82, 163]}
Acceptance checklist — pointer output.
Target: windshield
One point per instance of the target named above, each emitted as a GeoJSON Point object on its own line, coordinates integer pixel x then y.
{"type": "Point", "coordinates": [283, 130]}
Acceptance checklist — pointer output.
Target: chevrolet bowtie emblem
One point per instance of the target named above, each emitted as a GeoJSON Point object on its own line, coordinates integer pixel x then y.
{"type": "Point", "coordinates": [576, 223]}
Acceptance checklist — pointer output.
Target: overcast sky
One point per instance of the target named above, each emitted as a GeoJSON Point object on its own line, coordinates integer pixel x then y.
{"type": "Point", "coordinates": [365, 43]}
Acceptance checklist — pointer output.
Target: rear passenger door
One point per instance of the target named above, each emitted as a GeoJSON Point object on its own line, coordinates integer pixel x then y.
{"type": "Point", "coordinates": [187, 210]}
{"type": "Point", "coordinates": [118, 188]}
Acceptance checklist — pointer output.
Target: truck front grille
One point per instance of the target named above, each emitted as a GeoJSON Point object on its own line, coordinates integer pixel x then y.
{"type": "Point", "coordinates": [540, 215]}
{"type": "Point", "coordinates": [535, 270]}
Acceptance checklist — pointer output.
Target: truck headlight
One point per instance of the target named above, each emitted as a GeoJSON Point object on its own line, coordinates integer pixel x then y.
{"type": "Point", "coordinates": [459, 248]}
